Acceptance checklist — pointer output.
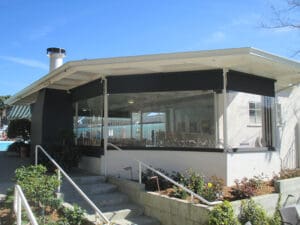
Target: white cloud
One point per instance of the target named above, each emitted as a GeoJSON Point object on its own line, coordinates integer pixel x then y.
{"type": "Point", "coordinates": [27, 62]}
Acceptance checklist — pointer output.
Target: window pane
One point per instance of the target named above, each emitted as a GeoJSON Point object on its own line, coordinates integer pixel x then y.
{"type": "Point", "coordinates": [88, 122]}
{"type": "Point", "coordinates": [163, 119]}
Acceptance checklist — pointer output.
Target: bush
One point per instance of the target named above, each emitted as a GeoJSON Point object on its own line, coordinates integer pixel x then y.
{"type": "Point", "coordinates": [73, 216]}
{"type": "Point", "coordinates": [38, 187]}
{"type": "Point", "coordinates": [223, 214]}
{"type": "Point", "coordinates": [253, 212]}
{"type": "Point", "coordinates": [19, 128]}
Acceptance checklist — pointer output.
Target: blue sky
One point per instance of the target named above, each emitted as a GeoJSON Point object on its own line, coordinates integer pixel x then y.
{"type": "Point", "coordinates": [105, 28]}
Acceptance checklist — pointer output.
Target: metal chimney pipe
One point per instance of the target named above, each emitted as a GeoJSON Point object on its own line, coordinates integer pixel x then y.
{"type": "Point", "coordinates": [56, 56]}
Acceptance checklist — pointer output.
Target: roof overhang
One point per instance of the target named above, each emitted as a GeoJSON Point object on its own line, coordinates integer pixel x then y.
{"type": "Point", "coordinates": [248, 60]}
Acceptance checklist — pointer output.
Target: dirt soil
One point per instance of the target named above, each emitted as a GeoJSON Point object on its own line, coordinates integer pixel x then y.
{"type": "Point", "coordinates": [266, 188]}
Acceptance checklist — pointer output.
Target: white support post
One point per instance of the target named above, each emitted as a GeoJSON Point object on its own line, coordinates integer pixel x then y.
{"type": "Point", "coordinates": [19, 209]}
{"type": "Point", "coordinates": [105, 123]}
{"type": "Point", "coordinates": [225, 134]}
{"type": "Point", "coordinates": [216, 117]}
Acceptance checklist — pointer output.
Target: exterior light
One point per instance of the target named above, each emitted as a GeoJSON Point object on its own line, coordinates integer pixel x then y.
{"type": "Point", "coordinates": [130, 101]}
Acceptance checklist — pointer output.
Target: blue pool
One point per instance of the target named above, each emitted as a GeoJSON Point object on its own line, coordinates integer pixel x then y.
{"type": "Point", "coordinates": [4, 145]}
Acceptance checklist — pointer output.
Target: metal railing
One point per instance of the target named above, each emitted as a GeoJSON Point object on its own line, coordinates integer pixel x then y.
{"type": "Point", "coordinates": [19, 201]}
{"type": "Point", "coordinates": [142, 164]}
{"type": "Point", "coordinates": [61, 171]}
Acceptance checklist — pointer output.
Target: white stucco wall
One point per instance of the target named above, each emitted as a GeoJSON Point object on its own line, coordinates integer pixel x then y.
{"type": "Point", "coordinates": [250, 164]}
{"type": "Point", "coordinates": [228, 166]}
{"type": "Point", "coordinates": [208, 163]}
{"type": "Point", "coordinates": [287, 132]}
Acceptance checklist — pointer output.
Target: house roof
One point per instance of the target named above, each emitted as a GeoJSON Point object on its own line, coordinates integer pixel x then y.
{"type": "Point", "coordinates": [248, 60]}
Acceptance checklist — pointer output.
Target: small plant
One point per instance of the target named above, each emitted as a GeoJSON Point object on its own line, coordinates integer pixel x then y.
{"type": "Point", "coordinates": [243, 189]}
{"type": "Point", "coordinates": [223, 214]}
{"type": "Point", "coordinates": [193, 181]}
{"type": "Point", "coordinates": [73, 216]}
{"type": "Point", "coordinates": [179, 193]}
{"type": "Point", "coordinates": [253, 212]}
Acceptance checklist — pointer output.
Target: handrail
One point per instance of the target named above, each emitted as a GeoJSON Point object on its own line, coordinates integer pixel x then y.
{"type": "Point", "coordinates": [60, 170]}
{"type": "Point", "coordinates": [193, 194]}
{"type": "Point", "coordinates": [20, 200]}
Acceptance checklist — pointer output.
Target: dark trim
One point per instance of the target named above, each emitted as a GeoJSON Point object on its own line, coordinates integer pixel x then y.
{"type": "Point", "coordinates": [244, 82]}
{"type": "Point", "coordinates": [91, 151]}
{"type": "Point", "coordinates": [56, 50]}
{"type": "Point", "coordinates": [89, 90]}
{"type": "Point", "coordinates": [173, 81]}
{"type": "Point", "coordinates": [186, 149]}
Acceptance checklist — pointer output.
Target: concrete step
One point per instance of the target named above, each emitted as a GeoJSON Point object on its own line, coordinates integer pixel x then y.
{"type": "Point", "coordinates": [87, 179]}
{"type": "Point", "coordinates": [140, 220]}
{"type": "Point", "coordinates": [100, 201]}
{"type": "Point", "coordinates": [122, 211]}
{"type": "Point", "coordinates": [89, 189]}
{"type": "Point", "coordinates": [118, 212]}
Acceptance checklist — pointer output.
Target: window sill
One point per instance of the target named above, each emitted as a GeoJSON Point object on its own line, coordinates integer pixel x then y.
{"type": "Point", "coordinates": [249, 150]}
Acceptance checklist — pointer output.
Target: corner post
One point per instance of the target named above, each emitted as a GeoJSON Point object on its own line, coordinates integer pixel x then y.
{"type": "Point", "coordinates": [105, 124]}
{"type": "Point", "coordinates": [225, 130]}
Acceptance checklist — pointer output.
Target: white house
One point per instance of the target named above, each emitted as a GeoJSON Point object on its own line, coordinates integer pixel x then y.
{"type": "Point", "coordinates": [230, 112]}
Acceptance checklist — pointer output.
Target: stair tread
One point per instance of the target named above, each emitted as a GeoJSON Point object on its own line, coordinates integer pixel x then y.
{"type": "Point", "coordinates": [139, 220]}
{"type": "Point", "coordinates": [101, 200]}
{"type": "Point", "coordinates": [96, 188]}
{"type": "Point", "coordinates": [119, 207]}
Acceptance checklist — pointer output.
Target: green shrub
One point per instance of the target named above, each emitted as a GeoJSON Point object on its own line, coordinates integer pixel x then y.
{"type": "Point", "coordinates": [38, 187]}
{"type": "Point", "coordinates": [73, 216]}
{"type": "Point", "coordinates": [253, 212]}
{"type": "Point", "coordinates": [223, 214]}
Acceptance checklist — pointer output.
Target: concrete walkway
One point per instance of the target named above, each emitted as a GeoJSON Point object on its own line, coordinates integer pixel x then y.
{"type": "Point", "coordinates": [8, 165]}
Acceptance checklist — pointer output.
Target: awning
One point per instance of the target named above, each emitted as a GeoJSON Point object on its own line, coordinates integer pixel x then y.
{"type": "Point", "coordinates": [19, 112]}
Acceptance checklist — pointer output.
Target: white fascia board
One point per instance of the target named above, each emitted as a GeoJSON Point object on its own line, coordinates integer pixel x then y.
{"type": "Point", "coordinates": [274, 58]}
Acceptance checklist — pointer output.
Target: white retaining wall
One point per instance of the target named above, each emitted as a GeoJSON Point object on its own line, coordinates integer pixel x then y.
{"type": "Point", "coordinates": [228, 166]}
{"type": "Point", "coordinates": [208, 163]}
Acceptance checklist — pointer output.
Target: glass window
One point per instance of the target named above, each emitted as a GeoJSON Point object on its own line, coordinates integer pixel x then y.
{"type": "Point", "coordinates": [162, 119]}
{"type": "Point", "coordinates": [255, 112]}
{"type": "Point", "coordinates": [250, 122]}
{"type": "Point", "coordinates": [88, 121]}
